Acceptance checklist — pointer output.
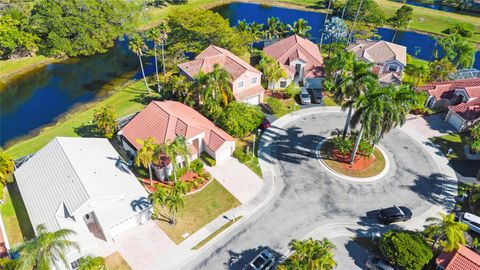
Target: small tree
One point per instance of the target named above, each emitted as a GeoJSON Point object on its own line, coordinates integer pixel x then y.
{"type": "Point", "coordinates": [406, 249]}
{"type": "Point", "coordinates": [475, 139]}
{"type": "Point", "coordinates": [146, 155]}
{"type": "Point", "coordinates": [272, 71]}
{"type": "Point", "coordinates": [7, 166]}
{"type": "Point", "coordinates": [105, 122]}
{"type": "Point", "coordinates": [239, 119]}
{"type": "Point", "coordinates": [92, 263]}
{"type": "Point", "coordinates": [403, 16]}
{"type": "Point", "coordinates": [447, 231]}
{"type": "Point", "coordinates": [292, 90]}
{"type": "Point", "coordinates": [310, 254]}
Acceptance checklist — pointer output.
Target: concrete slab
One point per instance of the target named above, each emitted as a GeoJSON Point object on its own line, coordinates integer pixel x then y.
{"type": "Point", "coordinates": [430, 126]}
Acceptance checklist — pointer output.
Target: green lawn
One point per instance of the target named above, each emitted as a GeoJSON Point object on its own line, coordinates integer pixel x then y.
{"type": "Point", "coordinates": [217, 232]}
{"type": "Point", "coordinates": [116, 262]}
{"type": "Point", "coordinates": [453, 141]}
{"type": "Point", "coordinates": [200, 209]}
{"type": "Point", "coordinates": [9, 67]}
{"type": "Point", "coordinates": [252, 164]}
{"type": "Point", "coordinates": [15, 217]}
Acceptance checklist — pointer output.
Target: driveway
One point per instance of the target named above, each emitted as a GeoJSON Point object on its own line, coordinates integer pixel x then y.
{"type": "Point", "coordinates": [307, 197]}
{"type": "Point", "coordinates": [430, 126]}
{"type": "Point", "coordinates": [237, 178]}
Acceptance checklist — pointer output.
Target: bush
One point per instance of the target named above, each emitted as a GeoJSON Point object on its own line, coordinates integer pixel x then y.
{"type": "Point", "coordinates": [343, 145]}
{"type": "Point", "coordinates": [276, 106]}
{"type": "Point", "coordinates": [241, 155]}
{"type": "Point", "coordinates": [406, 249]}
{"type": "Point", "coordinates": [197, 166]}
{"type": "Point", "coordinates": [208, 159]}
{"type": "Point", "coordinates": [292, 90]}
{"type": "Point", "coordinates": [463, 29]}
{"type": "Point", "coordinates": [240, 119]}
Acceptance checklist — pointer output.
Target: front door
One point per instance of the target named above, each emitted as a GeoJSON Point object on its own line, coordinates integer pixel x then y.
{"type": "Point", "coordinates": [298, 70]}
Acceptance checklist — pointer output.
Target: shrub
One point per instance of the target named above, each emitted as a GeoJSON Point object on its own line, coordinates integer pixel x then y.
{"type": "Point", "coordinates": [343, 145]}
{"type": "Point", "coordinates": [406, 249]}
{"type": "Point", "coordinates": [463, 29]}
{"type": "Point", "coordinates": [241, 155]}
{"type": "Point", "coordinates": [197, 166]}
{"type": "Point", "coordinates": [292, 90]}
{"type": "Point", "coordinates": [208, 159]}
{"type": "Point", "coordinates": [276, 106]}
{"type": "Point", "coordinates": [240, 119]}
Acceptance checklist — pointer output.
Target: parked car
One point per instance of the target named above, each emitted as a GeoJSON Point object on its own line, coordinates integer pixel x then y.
{"type": "Point", "coordinates": [394, 214]}
{"type": "Point", "coordinates": [304, 96]}
{"type": "Point", "coordinates": [317, 95]}
{"type": "Point", "coordinates": [378, 263]}
{"type": "Point", "coordinates": [263, 261]}
{"type": "Point", "coordinates": [472, 221]}
{"type": "Point", "coordinates": [265, 124]}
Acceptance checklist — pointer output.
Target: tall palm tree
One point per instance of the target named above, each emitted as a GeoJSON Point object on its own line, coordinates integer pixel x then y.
{"type": "Point", "coordinates": [164, 30]}
{"type": "Point", "coordinates": [178, 147]}
{"type": "Point", "coordinates": [256, 29]}
{"type": "Point", "coordinates": [137, 45]}
{"type": "Point", "coordinates": [445, 226]}
{"type": "Point", "coordinates": [418, 73]}
{"type": "Point", "coordinates": [174, 202]}
{"type": "Point", "coordinates": [7, 166]}
{"type": "Point", "coordinates": [274, 29]}
{"type": "Point", "coordinates": [219, 84]}
{"type": "Point", "coordinates": [146, 155]}
{"type": "Point", "coordinates": [155, 36]}
{"type": "Point", "coordinates": [243, 26]}
{"type": "Point", "coordinates": [300, 27]}
{"type": "Point", "coordinates": [339, 64]}
{"type": "Point", "coordinates": [159, 197]}
{"type": "Point", "coordinates": [46, 249]}
{"type": "Point", "coordinates": [92, 263]}
{"type": "Point", "coordinates": [324, 22]}
{"type": "Point", "coordinates": [354, 22]}
{"type": "Point", "coordinates": [272, 71]}
{"type": "Point", "coordinates": [310, 254]}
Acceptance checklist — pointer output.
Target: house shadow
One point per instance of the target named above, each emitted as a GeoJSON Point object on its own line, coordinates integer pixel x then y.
{"type": "Point", "coordinates": [21, 211]}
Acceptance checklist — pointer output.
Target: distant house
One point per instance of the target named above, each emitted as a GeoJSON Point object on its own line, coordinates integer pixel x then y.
{"type": "Point", "coordinates": [245, 79]}
{"type": "Point", "coordinates": [460, 97]}
{"type": "Point", "coordinates": [164, 121]}
{"type": "Point", "coordinates": [82, 184]}
{"type": "Point", "coordinates": [389, 59]}
{"type": "Point", "coordinates": [301, 60]}
{"type": "Point", "coordinates": [461, 259]}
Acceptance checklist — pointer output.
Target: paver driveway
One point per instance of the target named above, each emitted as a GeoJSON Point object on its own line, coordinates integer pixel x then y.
{"type": "Point", "coordinates": [307, 197]}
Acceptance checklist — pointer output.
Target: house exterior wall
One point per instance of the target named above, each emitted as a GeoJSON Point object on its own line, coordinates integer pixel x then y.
{"type": "Point", "coordinates": [455, 120]}
{"type": "Point", "coordinates": [277, 84]}
{"type": "Point", "coordinates": [385, 66]}
{"type": "Point", "coordinates": [246, 78]}
{"type": "Point", "coordinates": [224, 152]}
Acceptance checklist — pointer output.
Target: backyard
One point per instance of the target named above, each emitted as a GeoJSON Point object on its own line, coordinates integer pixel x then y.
{"type": "Point", "coordinates": [200, 209]}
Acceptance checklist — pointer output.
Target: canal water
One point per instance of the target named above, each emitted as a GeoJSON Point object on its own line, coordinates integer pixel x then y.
{"type": "Point", "coordinates": [39, 97]}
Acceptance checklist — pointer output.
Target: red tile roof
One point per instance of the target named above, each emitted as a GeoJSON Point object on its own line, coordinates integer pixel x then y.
{"type": "Point", "coordinates": [469, 111]}
{"type": "Point", "coordinates": [216, 55]}
{"type": "Point", "coordinates": [243, 94]}
{"type": "Point", "coordinates": [461, 259]}
{"type": "Point", "coordinates": [165, 120]}
{"type": "Point", "coordinates": [379, 51]}
{"type": "Point", "coordinates": [293, 48]}
{"type": "Point", "coordinates": [445, 89]}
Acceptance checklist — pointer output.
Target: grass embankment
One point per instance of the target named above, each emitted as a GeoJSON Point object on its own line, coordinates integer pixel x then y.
{"type": "Point", "coordinates": [200, 209]}
{"type": "Point", "coordinates": [11, 67]}
{"type": "Point", "coordinates": [217, 232]}
{"type": "Point", "coordinates": [117, 262]}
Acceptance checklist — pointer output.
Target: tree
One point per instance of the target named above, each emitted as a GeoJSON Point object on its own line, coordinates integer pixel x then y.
{"type": "Point", "coordinates": [105, 121]}
{"type": "Point", "coordinates": [463, 29]}
{"type": "Point", "coordinates": [243, 26]}
{"type": "Point", "coordinates": [458, 50]}
{"type": "Point", "coordinates": [7, 166]}
{"type": "Point", "coordinates": [170, 199]}
{"type": "Point", "coordinates": [137, 45]}
{"type": "Point", "coordinates": [158, 35]}
{"type": "Point", "coordinates": [82, 28]}
{"type": "Point", "coordinates": [146, 155]}
{"type": "Point", "coordinates": [440, 70]}
{"type": "Point", "coordinates": [300, 27]}
{"type": "Point", "coordinates": [164, 30]}
{"type": "Point", "coordinates": [336, 30]}
{"type": "Point", "coordinates": [159, 197]}
{"type": "Point", "coordinates": [361, 11]}
{"type": "Point", "coordinates": [45, 249]}
{"type": "Point", "coordinates": [174, 202]}
{"type": "Point", "coordinates": [275, 29]}
{"type": "Point", "coordinates": [14, 38]}
{"type": "Point", "coordinates": [178, 147]}
{"type": "Point", "coordinates": [445, 227]}
{"type": "Point", "coordinates": [272, 71]}
{"type": "Point", "coordinates": [403, 16]}
{"type": "Point", "coordinates": [418, 72]}
{"type": "Point", "coordinates": [405, 249]}
{"type": "Point", "coordinates": [239, 119]}
{"type": "Point", "coordinates": [310, 254]}
{"type": "Point", "coordinates": [218, 86]}
{"type": "Point", "coordinates": [90, 262]}
{"type": "Point", "coordinates": [475, 140]}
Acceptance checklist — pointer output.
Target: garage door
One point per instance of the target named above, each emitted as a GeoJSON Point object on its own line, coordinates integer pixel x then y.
{"type": "Point", "coordinates": [455, 121]}
{"type": "Point", "coordinates": [223, 154]}
{"type": "Point", "coordinates": [129, 223]}
{"type": "Point", "coordinates": [253, 100]}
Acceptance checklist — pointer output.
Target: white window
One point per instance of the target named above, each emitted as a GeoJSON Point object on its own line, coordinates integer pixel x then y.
{"type": "Point", "coordinates": [283, 84]}
{"type": "Point", "coordinates": [240, 84]}
{"type": "Point", "coordinates": [392, 68]}
{"type": "Point", "coordinates": [254, 80]}
{"type": "Point", "coordinates": [75, 264]}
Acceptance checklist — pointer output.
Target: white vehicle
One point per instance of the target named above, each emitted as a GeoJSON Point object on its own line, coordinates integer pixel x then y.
{"type": "Point", "coordinates": [305, 96]}
{"type": "Point", "coordinates": [263, 261]}
{"type": "Point", "coordinates": [472, 221]}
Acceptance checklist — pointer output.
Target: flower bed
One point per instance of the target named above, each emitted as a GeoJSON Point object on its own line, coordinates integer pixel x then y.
{"type": "Point", "coordinates": [193, 180]}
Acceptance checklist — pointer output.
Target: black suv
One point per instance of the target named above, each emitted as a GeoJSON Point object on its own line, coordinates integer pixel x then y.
{"type": "Point", "coordinates": [394, 214]}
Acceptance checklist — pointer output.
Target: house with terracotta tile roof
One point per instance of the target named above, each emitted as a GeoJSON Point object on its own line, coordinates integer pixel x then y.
{"type": "Point", "coordinates": [300, 58]}
{"type": "Point", "coordinates": [460, 97]}
{"type": "Point", "coordinates": [245, 80]}
{"type": "Point", "coordinates": [461, 259]}
{"type": "Point", "coordinates": [164, 121]}
{"type": "Point", "coordinates": [389, 59]}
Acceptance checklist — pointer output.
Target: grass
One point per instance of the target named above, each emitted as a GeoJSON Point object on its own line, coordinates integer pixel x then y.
{"type": "Point", "coordinates": [217, 232]}
{"type": "Point", "coordinates": [20, 65]}
{"type": "Point", "coordinates": [252, 164]}
{"type": "Point", "coordinates": [15, 217]}
{"type": "Point", "coordinates": [125, 101]}
{"type": "Point", "coordinates": [328, 100]}
{"type": "Point", "coordinates": [200, 209]}
{"type": "Point", "coordinates": [374, 169]}
{"type": "Point", "coordinates": [451, 141]}
{"type": "Point", "coordinates": [116, 262]}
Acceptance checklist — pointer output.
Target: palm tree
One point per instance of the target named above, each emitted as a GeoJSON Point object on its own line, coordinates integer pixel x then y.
{"type": "Point", "coordinates": [174, 202]}
{"type": "Point", "coordinates": [155, 36]}
{"type": "Point", "coordinates": [446, 227]}
{"type": "Point", "coordinates": [300, 27]}
{"type": "Point", "coordinates": [275, 28]}
{"type": "Point", "coordinates": [178, 147]}
{"type": "Point", "coordinates": [354, 22]}
{"type": "Point", "coordinates": [92, 263]}
{"type": "Point", "coordinates": [146, 155]}
{"type": "Point", "coordinates": [417, 72]}
{"type": "Point", "coordinates": [137, 45]}
{"type": "Point", "coordinates": [243, 26]}
{"type": "Point", "coordinates": [324, 22]}
{"type": "Point", "coordinates": [7, 166]}
{"type": "Point", "coordinates": [256, 29]}
{"type": "Point", "coordinates": [159, 197]}
{"type": "Point", "coordinates": [310, 254]}
{"type": "Point", "coordinates": [272, 71]}
{"type": "Point", "coordinates": [164, 30]}
{"type": "Point", "coordinates": [339, 64]}
{"type": "Point", "coordinates": [219, 85]}
{"type": "Point", "coordinates": [46, 249]}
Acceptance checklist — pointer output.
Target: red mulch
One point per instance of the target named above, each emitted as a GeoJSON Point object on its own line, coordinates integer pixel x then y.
{"type": "Point", "coordinates": [276, 94]}
{"type": "Point", "coordinates": [187, 177]}
{"type": "Point", "coordinates": [360, 162]}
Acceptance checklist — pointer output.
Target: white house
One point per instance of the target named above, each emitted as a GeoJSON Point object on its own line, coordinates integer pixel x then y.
{"type": "Point", "coordinates": [82, 184]}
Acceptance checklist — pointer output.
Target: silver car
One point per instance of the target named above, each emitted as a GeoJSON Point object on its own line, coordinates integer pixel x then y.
{"type": "Point", "coordinates": [378, 264]}
{"type": "Point", "coordinates": [304, 96]}
{"type": "Point", "coordinates": [263, 261]}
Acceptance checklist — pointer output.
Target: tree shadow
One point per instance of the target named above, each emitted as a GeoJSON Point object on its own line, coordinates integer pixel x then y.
{"type": "Point", "coordinates": [436, 189]}
{"type": "Point", "coordinates": [87, 130]}
{"type": "Point", "coordinates": [145, 98]}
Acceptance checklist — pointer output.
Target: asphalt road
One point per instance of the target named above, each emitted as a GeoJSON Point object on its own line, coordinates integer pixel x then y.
{"type": "Point", "coordinates": [307, 197]}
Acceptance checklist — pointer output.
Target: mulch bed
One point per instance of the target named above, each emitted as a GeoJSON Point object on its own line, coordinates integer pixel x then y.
{"type": "Point", "coordinates": [189, 177]}
{"type": "Point", "coordinates": [276, 94]}
{"type": "Point", "coordinates": [360, 163]}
